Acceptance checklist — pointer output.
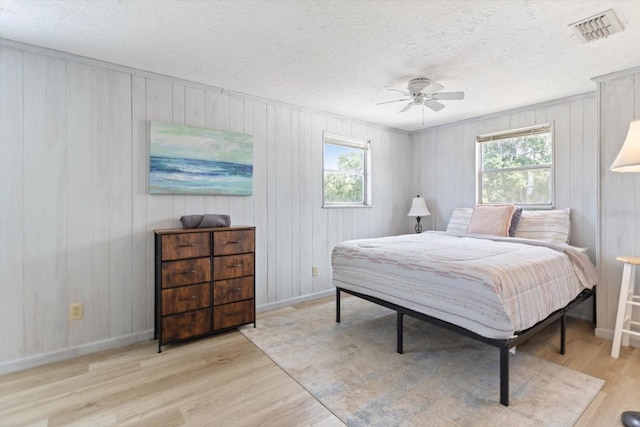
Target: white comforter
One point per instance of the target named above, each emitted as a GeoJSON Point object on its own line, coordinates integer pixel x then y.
{"type": "Point", "coordinates": [493, 288]}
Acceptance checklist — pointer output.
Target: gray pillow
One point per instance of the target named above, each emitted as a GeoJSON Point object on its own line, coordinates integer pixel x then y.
{"type": "Point", "coordinates": [205, 221]}
{"type": "Point", "coordinates": [515, 219]}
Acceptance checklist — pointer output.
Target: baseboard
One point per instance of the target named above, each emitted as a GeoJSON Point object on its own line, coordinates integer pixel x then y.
{"type": "Point", "coordinates": [604, 333]}
{"type": "Point", "coordinates": [121, 341]}
{"type": "Point", "coordinates": [292, 301]}
{"type": "Point", "coordinates": [71, 352]}
{"type": "Point", "coordinates": [608, 334]}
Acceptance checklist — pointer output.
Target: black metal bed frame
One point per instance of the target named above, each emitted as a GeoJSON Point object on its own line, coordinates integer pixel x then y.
{"type": "Point", "coordinates": [503, 344]}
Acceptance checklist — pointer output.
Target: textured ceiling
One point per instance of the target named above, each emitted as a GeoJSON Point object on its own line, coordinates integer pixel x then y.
{"type": "Point", "coordinates": [339, 56]}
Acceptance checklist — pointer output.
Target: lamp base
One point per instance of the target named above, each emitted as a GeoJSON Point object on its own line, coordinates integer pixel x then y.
{"type": "Point", "coordinates": [631, 419]}
{"type": "Point", "coordinates": [418, 225]}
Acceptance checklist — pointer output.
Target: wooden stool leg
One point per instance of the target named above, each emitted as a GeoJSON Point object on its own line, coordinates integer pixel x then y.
{"type": "Point", "coordinates": [626, 324]}
{"type": "Point", "coordinates": [622, 309]}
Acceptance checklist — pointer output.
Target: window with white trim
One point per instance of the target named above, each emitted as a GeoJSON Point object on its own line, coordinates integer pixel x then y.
{"type": "Point", "coordinates": [516, 167]}
{"type": "Point", "coordinates": [346, 178]}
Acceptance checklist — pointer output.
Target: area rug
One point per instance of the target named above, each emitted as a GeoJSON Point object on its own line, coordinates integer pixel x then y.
{"type": "Point", "coordinates": [442, 379]}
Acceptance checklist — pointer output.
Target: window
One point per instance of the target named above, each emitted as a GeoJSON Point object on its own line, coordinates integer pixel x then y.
{"type": "Point", "coordinates": [516, 167]}
{"type": "Point", "coordinates": [346, 171]}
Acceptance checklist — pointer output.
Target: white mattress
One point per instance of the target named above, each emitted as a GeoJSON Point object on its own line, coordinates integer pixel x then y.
{"type": "Point", "coordinates": [493, 288]}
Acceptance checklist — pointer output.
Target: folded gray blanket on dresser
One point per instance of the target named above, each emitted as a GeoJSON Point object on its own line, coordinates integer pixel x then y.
{"type": "Point", "coordinates": [205, 221]}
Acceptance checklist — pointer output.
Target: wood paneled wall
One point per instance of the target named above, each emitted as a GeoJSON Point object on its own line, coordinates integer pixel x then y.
{"type": "Point", "coordinates": [618, 105]}
{"type": "Point", "coordinates": [444, 163]}
{"type": "Point", "coordinates": [76, 217]}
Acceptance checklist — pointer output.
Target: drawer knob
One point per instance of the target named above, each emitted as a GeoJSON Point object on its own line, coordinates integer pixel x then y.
{"type": "Point", "coordinates": [186, 245]}
{"type": "Point", "coordinates": [188, 299]}
{"type": "Point", "coordinates": [235, 266]}
{"type": "Point", "coordinates": [234, 242]}
{"type": "Point", "coordinates": [235, 290]}
{"type": "Point", "coordinates": [188, 272]}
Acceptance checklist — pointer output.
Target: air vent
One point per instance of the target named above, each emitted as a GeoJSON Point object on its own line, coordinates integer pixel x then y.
{"type": "Point", "coordinates": [597, 27]}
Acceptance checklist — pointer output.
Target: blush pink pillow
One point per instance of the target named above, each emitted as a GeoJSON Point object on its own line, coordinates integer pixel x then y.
{"type": "Point", "coordinates": [491, 219]}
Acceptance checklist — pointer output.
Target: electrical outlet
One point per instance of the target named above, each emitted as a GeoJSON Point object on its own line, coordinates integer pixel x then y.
{"type": "Point", "coordinates": [314, 270]}
{"type": "Point", "coordinates": [76, 311]}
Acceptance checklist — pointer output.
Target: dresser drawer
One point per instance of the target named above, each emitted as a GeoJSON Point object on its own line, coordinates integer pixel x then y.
{"type": "Point", "coordinates": [233, 242]}
{"type": "Point", "coordinates": [185, 245]}
{"type": "Point", "coordinates": [186, 272]}
{"type": "Point", "coordinates": [186, 325]}
{"type": "Point", "coordinates": [185, 298]}
{"type": "Point", "coordinates": [226, 291]}
{"type": "Point", "coordinates": [229, 267]}
{"type": "Point", "coordinates": [234, 314]}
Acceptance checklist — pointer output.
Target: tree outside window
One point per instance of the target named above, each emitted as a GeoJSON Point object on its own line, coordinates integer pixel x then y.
{"type": "Point", "coordinates": [515, 167]}
{"type": "Point", "coordinates": [345, 171]}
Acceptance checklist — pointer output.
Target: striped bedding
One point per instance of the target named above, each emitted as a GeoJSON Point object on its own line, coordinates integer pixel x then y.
{"type": "Point", "coordinates": [493, 287]}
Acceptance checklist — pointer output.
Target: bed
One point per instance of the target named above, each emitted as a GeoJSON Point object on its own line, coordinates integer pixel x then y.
{"type": "Point", "coordinates": [494, 288]}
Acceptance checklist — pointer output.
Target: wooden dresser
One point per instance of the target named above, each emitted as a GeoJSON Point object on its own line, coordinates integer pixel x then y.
{"type": "Point", "coordinates": [205, 281]}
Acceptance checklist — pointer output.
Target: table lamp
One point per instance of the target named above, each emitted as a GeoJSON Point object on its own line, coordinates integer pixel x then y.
{"type": "Point", "coordinates": [628, 159]}
{"type": "Point", "coordinates": [418, 209]}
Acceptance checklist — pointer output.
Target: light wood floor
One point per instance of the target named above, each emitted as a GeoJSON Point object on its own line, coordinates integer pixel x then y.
{"type": "Point", "coordinates": [225, 380]}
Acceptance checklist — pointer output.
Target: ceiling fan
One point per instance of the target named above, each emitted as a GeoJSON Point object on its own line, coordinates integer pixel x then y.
{"type": "Point", "coordinates": [422, 91]}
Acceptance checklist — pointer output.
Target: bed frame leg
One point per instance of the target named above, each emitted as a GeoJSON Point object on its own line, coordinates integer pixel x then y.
{"type": "Point", "coordinates": [399, 327]}
{"type": "Point", "coordinates": [595, 313]}
{"type": "Point", "coordinates": [563, 332]}
{"type": "Point", "coordinates": [399, 332]}
{"type": "Point", "coordinates": [337, 305]}
{"type": "Point", "coordinates": [504, 376]}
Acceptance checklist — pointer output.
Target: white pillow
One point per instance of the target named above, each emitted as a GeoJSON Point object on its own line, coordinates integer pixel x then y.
{"type": "Point", "coordinates": [549, 225]}
{"type": "Point", "coordinates": [459, 221]}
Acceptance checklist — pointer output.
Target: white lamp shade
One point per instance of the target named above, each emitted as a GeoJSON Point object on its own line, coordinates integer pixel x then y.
{"type": "Point", "coordinates": [628, 159]}
{"type": "Point", "coordinates": [418, 207]}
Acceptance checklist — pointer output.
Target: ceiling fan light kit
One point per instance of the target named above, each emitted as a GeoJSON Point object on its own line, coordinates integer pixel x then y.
{"type": "Point", "coordinates": [423, 92]}
{"type": "Point", "coordinates": [418, 85]}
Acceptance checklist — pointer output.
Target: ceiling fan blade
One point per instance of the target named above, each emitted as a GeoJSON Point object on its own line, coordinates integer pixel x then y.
{"type": "Point", "coordinates": [395, 100]}
{"type": "Point", "coordinates": [404, 92]}
{"type": "Point", "coordinates": [448, 95]}
{"type": "Point", "coordinates": [434, 105]}
{"type": "Point", "coordinates": [432, 87]}
{"type": "Point", "coordinates": [409, 105]}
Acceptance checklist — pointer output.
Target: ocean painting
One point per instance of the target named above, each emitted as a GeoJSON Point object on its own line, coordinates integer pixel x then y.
{"type": "Point", "coordinates": [190, 160]}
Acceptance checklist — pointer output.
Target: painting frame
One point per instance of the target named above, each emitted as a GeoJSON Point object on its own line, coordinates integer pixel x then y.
{"type": "Point", "coordinates": [199, 161]}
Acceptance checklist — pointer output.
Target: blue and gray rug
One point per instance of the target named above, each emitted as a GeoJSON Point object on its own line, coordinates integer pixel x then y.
{"type": "Point", "coordinates": [442, 379]}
